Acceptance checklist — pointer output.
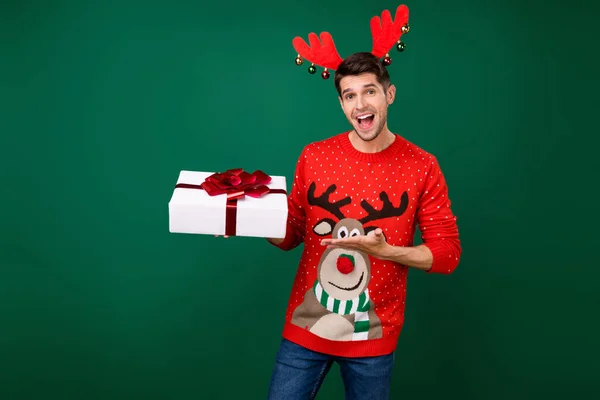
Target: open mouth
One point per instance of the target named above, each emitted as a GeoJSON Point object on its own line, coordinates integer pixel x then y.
{"type": "Point", "coordinates": [350, 288]}
{"type": "Point", "coordinates": [365, 121]}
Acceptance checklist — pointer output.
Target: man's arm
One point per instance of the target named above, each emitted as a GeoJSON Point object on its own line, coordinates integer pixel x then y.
{"type": "Point", "coordinates": [295, 227]}
{"type": "Point", "coordinates": [440, 251]}
{"type": "Point", "coordinates": [437, 223]}
{"type": "Point", "coordinates": [294, 234]}
{"type": "Point", "coordinates": [419, 257]}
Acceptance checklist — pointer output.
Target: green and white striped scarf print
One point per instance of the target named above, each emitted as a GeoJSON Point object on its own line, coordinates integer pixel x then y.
{"type": "Point", "coordinates": [359, 306]}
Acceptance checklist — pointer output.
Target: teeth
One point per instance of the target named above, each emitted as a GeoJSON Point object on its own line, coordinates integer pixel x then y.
{"type": "Point", "coordinates": [365, 116]}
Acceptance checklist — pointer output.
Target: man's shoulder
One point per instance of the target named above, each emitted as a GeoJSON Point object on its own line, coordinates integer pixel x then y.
{"type": "Point", "coordinates": [412, 150]}
{"type": "Point", "coordinates": [328, 141]}
{"type": "Point", "coordinates": [329, 145]}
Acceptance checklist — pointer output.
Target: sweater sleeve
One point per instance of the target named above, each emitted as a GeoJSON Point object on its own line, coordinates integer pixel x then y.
{"type": "Point", "coordinates": [437, 223]}
{"type": "Point", "coordinates": [295, 228]}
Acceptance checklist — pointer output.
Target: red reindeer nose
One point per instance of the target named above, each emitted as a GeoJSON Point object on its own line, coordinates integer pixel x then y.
{"type": "Point", "coordinates": [345, 263]}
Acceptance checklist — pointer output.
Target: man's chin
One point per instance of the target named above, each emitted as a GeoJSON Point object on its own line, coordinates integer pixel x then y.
{"type": "Point", "coordinates": [366, 136]}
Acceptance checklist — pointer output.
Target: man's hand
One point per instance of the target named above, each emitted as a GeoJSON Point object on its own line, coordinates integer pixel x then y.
{"type": "Point", "coordinates": [374, 245]}
{"type": "Point", "coordinates": [418, 257]}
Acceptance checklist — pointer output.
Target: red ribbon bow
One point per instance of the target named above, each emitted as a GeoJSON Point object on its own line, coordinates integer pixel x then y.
{"type": "Point", "coordinates": [237, 183]}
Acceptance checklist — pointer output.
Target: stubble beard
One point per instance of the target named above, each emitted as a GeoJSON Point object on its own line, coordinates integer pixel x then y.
{"type": "Point", "coordinates": [377, 132]}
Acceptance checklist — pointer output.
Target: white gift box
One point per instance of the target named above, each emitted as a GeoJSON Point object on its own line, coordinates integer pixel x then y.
{"type": "Point", "coordinates": [194, 211]}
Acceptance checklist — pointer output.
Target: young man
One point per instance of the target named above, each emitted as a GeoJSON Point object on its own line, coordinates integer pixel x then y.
{"type": "Point", "coordinates": [355, 203]}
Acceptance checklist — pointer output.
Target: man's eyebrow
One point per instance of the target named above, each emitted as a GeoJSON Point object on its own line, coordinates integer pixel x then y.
{"type": "Point", "coordinates": [364, 86]}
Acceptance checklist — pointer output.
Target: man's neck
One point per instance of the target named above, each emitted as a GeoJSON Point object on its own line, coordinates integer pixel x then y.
{"type": "Point", "coordinates": [380, 143]}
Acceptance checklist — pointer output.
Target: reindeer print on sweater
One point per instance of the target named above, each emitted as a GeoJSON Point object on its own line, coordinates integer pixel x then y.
{"type": "Point", "coordinates": [338, 306]}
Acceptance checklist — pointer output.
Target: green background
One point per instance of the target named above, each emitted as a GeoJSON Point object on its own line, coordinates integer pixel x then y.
{"type": "Point", "coordinates": [103, 103]}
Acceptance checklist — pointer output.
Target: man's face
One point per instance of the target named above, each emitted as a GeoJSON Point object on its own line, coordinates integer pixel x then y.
{"type": "Point", "coordinates": [365, 104]}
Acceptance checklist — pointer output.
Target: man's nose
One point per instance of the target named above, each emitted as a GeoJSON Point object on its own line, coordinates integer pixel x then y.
{"type": "Point", "coordinates": [360, 103]}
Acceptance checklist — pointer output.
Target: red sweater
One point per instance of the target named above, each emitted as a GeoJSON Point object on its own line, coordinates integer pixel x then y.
{"type": "Point", "coordinates": [343, 302]}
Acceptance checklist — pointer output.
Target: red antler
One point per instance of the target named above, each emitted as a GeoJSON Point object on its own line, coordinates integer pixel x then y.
{"type": "Point", "coordinates": [324, 55]}
{"type": "Point", "coordinates": [385, 32]}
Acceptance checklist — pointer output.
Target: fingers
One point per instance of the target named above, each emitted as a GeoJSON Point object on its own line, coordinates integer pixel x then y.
{"type": "Point", "coordinates": [341, 245]}
{"type": "Point", "coordinates": [328, 242]}
{"type": "Point", "coordinates": [343, 242]}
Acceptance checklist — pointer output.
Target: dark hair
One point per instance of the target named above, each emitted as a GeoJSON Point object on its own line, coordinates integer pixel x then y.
{"type": "Point", "coordinates": [361, 63]}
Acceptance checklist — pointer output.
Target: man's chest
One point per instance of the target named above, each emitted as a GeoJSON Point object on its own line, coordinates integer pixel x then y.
{"type": "Point", "coordinates": [359, 199]}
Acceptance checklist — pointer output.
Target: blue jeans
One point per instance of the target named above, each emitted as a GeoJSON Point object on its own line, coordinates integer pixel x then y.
{"type": "Point", "coordinates": [299, 373]}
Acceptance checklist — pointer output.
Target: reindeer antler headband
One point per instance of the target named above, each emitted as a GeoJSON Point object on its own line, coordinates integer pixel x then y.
{"type": "Point", "coordinates": [385, 34]}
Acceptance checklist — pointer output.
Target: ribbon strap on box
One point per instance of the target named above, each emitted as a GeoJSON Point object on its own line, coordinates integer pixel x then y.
{"type": "Point", "coordinates": [236, 184]}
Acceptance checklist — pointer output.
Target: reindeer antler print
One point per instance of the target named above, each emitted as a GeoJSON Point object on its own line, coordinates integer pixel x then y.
{"type": "Point", "coordinates": [388, 209]}
{"type": "Point", "coordinates": [324, 202]}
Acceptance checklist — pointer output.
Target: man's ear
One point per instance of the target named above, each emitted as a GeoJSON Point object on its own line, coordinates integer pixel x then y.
{"type": "Point", "coordinates": [391, 94]}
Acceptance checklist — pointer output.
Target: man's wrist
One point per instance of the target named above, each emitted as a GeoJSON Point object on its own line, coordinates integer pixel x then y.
{"type": "Point", "coordinates": [394, 253]}
{"type": "Point", "coordinates": [419, 257]}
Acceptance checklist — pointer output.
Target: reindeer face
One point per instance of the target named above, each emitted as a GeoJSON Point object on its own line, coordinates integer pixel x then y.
{"type": "Point", "coordinates": [347, 227]}
{"type": "Point", "coordinates": [344, 274]}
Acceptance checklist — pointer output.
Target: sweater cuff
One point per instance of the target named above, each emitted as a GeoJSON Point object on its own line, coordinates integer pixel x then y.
{"type": "Point", "coordinates": [443, 259]}
{"type": "Point", "coordinates": [289, 242]}
{"type": "Point", "coordinates": [286, 244]}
